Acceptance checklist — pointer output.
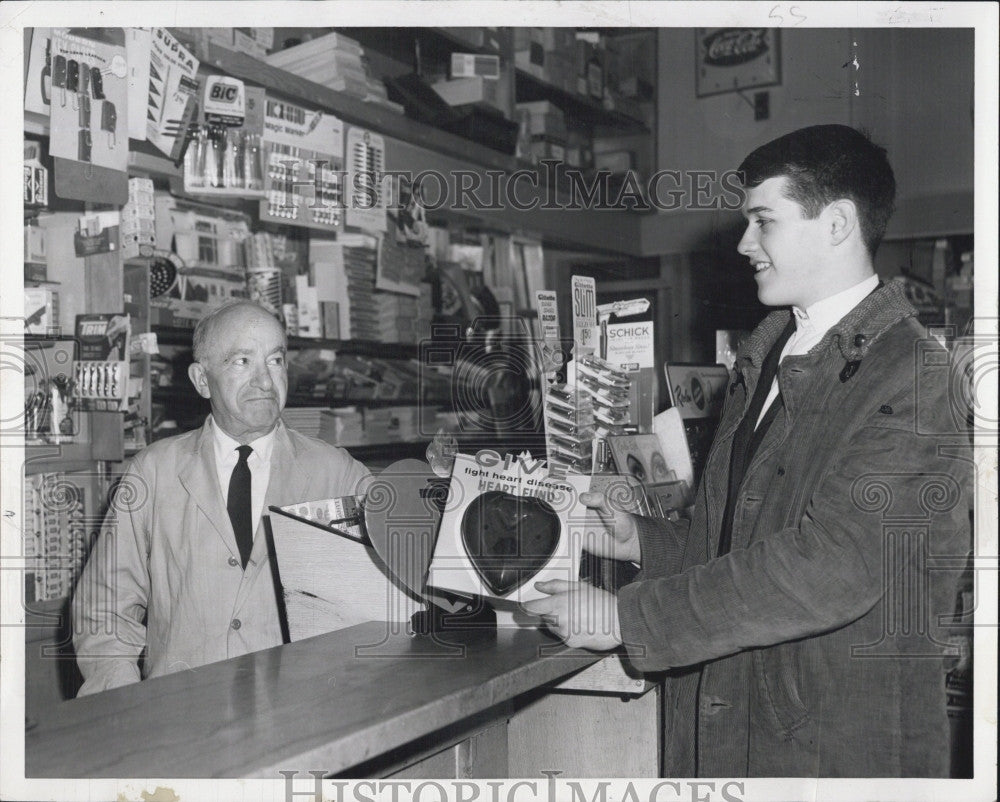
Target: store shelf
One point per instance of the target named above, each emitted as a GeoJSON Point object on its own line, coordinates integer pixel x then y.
{"type": "Point", "coordinates": [351, 110]}
{"type": "Point", "coordinates": [176, 336]}
{"type": "Point", "coordinates": [529, 88]}
{"type": "Point", "coordinates": [63, 458]}
{"type": "Point", "coordinates": [402, 43]}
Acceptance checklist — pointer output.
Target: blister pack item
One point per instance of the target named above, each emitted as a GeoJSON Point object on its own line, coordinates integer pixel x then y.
{"type": "Point", "coordinates": [596, 369]}
{"type": "Point", "coordinates": [97, 83]}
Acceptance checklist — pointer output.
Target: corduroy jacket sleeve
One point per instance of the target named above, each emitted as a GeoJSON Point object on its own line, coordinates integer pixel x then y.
{"type": "Point", "coordinates": [662, 545]}
{"type": "Point", "coordinates": [821, 574]}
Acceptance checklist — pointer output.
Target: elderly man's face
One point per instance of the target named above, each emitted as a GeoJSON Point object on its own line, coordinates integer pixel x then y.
{"type": "Point", "coordinates": [243, 373]}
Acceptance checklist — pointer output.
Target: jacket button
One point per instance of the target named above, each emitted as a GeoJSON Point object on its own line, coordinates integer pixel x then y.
{"type": "Point", "coordinates": [236, 623]}
{"type": "Point", "coordinates": [781, 471]}
{"type": "Point", "coordinates": [233, 562]}
{"type": "Point", "coordinates": [860, 340]}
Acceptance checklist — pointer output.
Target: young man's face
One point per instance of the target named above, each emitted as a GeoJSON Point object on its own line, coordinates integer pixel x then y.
{"type": "Point", "coordinates": [244, 374]}
{"type": "Point", "coordinates": [784, 247]}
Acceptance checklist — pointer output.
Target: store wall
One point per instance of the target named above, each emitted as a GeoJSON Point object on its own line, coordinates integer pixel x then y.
{"type": "Point", "coordinates": [911, 90]}
{"type": "Point", "coordinates": [914, 95]}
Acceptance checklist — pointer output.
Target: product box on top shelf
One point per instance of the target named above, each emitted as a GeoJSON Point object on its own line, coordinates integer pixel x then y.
{"type": "Point", "coordinates": [469, 65]}
{"type": "Point", "coordinates": [35, 250]}
{"type": "Point", "coordinates": [477, 89]}
{"type": "Point", "coordinates": [41, 310]}
{"type": "Point", "coordinates": [544, 117]}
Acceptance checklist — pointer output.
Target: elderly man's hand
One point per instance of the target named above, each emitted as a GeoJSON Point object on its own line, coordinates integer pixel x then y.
{"type": "Point", "coordinates": [611, 532]}
{"type": "Point", "coordinates": [583, 616]}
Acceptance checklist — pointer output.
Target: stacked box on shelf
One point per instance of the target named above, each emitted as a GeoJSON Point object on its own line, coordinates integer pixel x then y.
{"type": "Point", "coordinates": [631, 64]}
{"type": "Point", "coordinates": [474, 89]}
{"type": "Point", "coordinates": [251, 41]}
{"type": "Point", "coordinates": [548, 54]}
{"type": "Point", "coordinates": [545, 127]}
{"type": "Point", "coordinates": [333, 60]}
{"type": "Point", "coordinates": [397, 317]}
{"type": "Point", "coordinates": [209, 244]}
{"type": "Point", "coordinates": [392, 424]}
{"type": "Point", "coordinates": [589, 67]}
{"type": "Point", "coordinates": [489, 39]}
{"type": "Point", "coordinates": [137, 229]}
{"type": "Point", "coordinates": [359, 266]}
{"type": "Point", "coordinates": [569, 428]}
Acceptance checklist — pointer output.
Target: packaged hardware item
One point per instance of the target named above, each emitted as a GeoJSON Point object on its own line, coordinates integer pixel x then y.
{"type": "Point", "coordinates": [101, 370]}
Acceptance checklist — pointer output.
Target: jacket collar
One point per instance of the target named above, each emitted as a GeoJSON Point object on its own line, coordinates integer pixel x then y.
{"type": "Point", "coordinates": [196, 473]}
{"type": "Point", "coordinates": [854, 334]}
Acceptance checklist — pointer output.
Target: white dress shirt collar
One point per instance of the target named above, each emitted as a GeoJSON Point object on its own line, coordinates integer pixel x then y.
{"type": "Point", "coordinates": [225, 446]}
{"type": "Point", "coordinates": [821, 316]}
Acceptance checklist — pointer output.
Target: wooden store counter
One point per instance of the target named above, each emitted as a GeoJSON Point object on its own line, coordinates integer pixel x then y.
{"type": "Point", "coordinates": [361, 702]}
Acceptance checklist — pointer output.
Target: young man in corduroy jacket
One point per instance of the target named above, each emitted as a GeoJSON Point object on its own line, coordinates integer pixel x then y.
{"type": "Point", "coordinates": [797, 613]}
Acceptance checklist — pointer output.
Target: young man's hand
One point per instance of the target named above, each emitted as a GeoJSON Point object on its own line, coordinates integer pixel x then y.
{"type": "Point", "coordinates": [613, 533]}
{"type": "Point", "coordinates": [583, 616]}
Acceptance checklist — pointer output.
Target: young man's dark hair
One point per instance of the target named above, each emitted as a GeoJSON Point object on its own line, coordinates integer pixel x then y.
{"type": "Point", "coordinates": [824, 163]}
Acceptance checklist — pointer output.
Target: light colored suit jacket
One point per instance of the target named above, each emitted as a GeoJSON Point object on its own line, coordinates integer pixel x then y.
{"type": "Point", "coordinates": [164, 576]}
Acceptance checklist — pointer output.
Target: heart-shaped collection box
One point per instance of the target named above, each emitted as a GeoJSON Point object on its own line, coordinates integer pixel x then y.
{"type": "Point", "coordinates": [506, 525]}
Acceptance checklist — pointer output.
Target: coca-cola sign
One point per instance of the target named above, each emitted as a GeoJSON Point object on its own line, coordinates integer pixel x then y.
{"type": "Point", "coordinates": [728, 47]}
{"type": "Point", "coordinates": [731, 59]}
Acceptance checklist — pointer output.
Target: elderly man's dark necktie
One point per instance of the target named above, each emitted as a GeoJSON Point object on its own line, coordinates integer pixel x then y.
{"type": "Point", "coordinates": [238, 504]}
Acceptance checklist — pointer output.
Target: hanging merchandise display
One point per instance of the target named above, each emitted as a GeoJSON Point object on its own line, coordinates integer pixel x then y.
{"type": "Point", "coordinates": [88, 128]}
{"type": "Point", "coordinates": [303, 176]}
{"type": "Point", "coordinates": [100, 372]}
{"type": "Point", "coordinates": [365, 164]}
{"type": "Point", "coordinates": [225, 155]}
{"type": "Point", "coordinates": [173, 93]}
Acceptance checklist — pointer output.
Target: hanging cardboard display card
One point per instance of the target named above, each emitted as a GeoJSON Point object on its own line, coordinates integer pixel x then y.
{"type": "Point", "coordinates": [89, 101]}
{"type": "Point", "coordinates": [173, 89]}
{"type": "Point", "coordinates": [88, 130]}
{"type": "Point", "coordinates": [364, 158]}
{"type": "Point", "coordinates": [304, 162]}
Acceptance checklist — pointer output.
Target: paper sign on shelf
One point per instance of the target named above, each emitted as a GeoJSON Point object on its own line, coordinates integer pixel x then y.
{"type": "Point", "coordinates": [584, 297]}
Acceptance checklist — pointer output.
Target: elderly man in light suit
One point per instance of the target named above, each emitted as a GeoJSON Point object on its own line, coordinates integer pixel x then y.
{"type": "Point", "coordinates": [181, 576]}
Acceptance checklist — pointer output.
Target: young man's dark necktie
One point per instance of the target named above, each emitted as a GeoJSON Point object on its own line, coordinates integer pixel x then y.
{"type": "Point", "coordinates": [750, 434]}
{"type": "Point", "coordinates": [238, 504]}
